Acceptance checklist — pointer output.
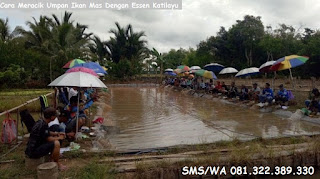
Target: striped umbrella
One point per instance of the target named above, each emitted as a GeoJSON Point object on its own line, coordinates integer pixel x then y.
{"type": "Point", "coordinates": [289, 62]}
{"type": "Point", "coordinates": [206, 74]}
{"type": "Point", "coordinates": [72, 63]}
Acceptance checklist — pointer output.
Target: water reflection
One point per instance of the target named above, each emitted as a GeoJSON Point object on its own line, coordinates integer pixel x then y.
{"type": "Point", "coordinates": [154, 117]}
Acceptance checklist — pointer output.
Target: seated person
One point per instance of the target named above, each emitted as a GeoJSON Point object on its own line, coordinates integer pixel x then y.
{"type": "Point", "coordinates": [202, 85]}
{"type": "Point", "coordinates": [267, 94]}
{"type": "Point", "coordinates": [73, 109]}
{"type": "Point", "coordinates": [313, 103]}
{"type": "Point", "coordinates": [183, 83]}
{"type": "Point", "coordinates": [176, 82]}
{"type": "Point", "coordinates": [244, 93]}
{"type": "Point", "coordinates": [224, 88]}
{"type": "Point", "coordinates": [217, 88]}
{"type": "Point", "coordinates": [282, 96]}
{"type": "Point", "coordinates": [42, 141]}
{"type": "Point", "coordinates": [59, 124]}
{"type": "Point", "coordinates": [233, 91]}
{"type": "Point", "coordinates": [254, 92]}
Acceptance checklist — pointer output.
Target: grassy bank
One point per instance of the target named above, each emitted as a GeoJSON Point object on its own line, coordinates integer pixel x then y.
{"type": "Point", "coordinates": [88, 164]}
{"type": "Point", "coordinates": [14, 97]}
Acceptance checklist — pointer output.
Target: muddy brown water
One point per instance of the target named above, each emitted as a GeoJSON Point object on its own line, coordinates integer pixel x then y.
{"type": "Point", "coordinates": [151, 117]}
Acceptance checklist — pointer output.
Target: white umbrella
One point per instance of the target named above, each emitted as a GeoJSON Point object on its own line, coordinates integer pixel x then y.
{"type": "Point", "coordinates": [265, 68]}
{"type": "Point", "coordinates": [168, 70]}
{"type": "Point", "coordinates": [228, 71]}
{"type": "Point", "coordinates": [78, 79]}
{"type": "Point", "coordinates": [248, 72]}
{"type": "Point", "coordinates": [195, 68]}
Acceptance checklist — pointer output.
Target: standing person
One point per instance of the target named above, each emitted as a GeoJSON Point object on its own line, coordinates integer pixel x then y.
{"type": "Point", "coordinates": [254, 92]}
{"type": "Point", "coordinates": [267, 94]}
{"type": "Point", "coordinates": [282, 96]}
{"type": "Point", "coordinates": [233, 91]}
{"type": "Point", "coordinates": [42, 141]}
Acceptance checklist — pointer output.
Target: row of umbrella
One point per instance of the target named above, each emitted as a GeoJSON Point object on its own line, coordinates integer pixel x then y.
{"type": "Point", "coordinates": [284, 63]}
{"type": "Point", "coordinates": [86, 67]}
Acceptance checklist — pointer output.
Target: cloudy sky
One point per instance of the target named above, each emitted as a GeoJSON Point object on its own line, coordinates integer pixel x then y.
{"type": "Point", "coordinates": [198, 19]}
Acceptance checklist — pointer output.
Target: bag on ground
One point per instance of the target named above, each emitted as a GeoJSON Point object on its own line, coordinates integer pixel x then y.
{"type": "Point", "coordinates": [9, 130]}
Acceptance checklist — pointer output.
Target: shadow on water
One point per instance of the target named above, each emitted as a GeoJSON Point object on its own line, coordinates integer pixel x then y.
{"type": "Point", "coordinates": [155, 118]}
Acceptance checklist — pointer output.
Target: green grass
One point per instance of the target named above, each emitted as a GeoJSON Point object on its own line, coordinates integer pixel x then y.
{"type": "Point", "coordinates": [92, 170]}
{"type": "Point", "coordinates": [12, 98]}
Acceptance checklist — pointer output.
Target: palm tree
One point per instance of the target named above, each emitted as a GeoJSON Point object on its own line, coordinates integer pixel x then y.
{"type": "Point", "coordinates": [126, 44]}
{"type": "Point", "coordinates": [39, 35]}
{"type": "Point", "coordinates": [5, 34]}
{"type": "Point", "coordinates": [98, 47]}
{"type": "Point", "coordinates": [159, 59]}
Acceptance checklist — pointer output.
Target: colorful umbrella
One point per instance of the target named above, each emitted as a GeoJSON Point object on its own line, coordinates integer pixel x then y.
{"type": "Point", "coordinates": [289, 62]}
{"type": "Point", "coordinates": [228, 71]}
{"type": "Point", "coordinates": [248, 72]}
{"type": "Point", "coordinates": [214, 67]}
{"type": "Point", "coordinates": [206, 74]}
{"type": "Point", "coordinates": [72, 63]}
{"type": "Point", "coordinates": [82, 69]}
{"type": "Point", "coordinates": [94, 66]}
{"type": "Point", "coordinates": [184, 68]}
{"type": "Point", "coordinates": [265, 68]}
{"type": "Point", "coordinates": [178, 71]}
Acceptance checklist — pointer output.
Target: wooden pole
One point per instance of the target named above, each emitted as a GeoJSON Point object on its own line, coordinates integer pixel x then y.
{"type": "Point", "coordinates": [291, 79]}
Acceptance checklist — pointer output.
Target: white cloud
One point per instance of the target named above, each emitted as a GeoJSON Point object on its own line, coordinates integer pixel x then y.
{"type": "Point", "coordinates": [166, 29]}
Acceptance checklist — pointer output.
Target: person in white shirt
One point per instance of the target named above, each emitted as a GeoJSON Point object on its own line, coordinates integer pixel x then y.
{"type": "Point", "coordinates": [72, 92]}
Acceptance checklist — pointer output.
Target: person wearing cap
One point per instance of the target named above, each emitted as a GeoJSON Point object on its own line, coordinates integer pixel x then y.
{"type": "Point", "coordinates": [267, 94]}
{"type": "Point", "coordinates": [43, 142]}
{"type": "Point", "coordinates": [313, 103]}
{"type": "Point", "coordinates": [254, 92]}
{"type": "Point", "coordinates": [282, 96]}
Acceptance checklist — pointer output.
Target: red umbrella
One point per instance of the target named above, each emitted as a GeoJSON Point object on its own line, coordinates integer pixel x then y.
{"type": "Point", "coordinates": [82, 69]}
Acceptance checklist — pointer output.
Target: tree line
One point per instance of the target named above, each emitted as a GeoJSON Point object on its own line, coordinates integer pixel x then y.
{"type": "Point", "coordinates": [248, 43]}
{"type": "Point", "coordinates": [33, 57]}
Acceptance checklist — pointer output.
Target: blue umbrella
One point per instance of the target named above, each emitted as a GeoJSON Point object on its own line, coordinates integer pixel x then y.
{"type": "Point", "coordinates": [170, 73]}
{"type": "Point", "coordinates": [214, 67]}
{"type": "Point", "coordinates": [93, 66]}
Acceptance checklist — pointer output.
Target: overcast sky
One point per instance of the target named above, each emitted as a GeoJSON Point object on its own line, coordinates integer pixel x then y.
{"type": "Point", "coordinates": [198, 19]}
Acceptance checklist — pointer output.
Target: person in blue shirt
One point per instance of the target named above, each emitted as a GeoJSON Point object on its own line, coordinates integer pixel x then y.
{"type": "Point", "coordinates": [282, 96]}
{"type": "Point", "coordinates": [267, 94]}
